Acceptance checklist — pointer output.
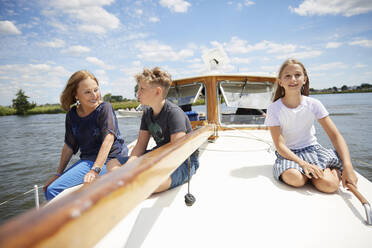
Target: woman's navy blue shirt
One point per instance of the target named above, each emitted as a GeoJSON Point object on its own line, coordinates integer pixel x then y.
{"type": "Point", "coordinates": [87, 133]}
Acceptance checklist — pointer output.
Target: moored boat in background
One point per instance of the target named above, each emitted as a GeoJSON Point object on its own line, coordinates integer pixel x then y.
{"type": "Point", "coordinates": [130, 112]}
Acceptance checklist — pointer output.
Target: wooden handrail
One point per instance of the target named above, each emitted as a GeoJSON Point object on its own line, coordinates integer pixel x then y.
{"type": "Point", "coordinates": [82, 218]}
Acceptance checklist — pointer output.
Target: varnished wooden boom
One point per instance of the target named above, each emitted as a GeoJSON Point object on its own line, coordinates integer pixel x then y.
{"type": "Point", "coordinates": [82, 218]}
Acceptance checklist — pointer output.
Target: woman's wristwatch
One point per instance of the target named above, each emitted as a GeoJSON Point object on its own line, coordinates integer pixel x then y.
{"type": "Point", "coordinates": [96, 169]}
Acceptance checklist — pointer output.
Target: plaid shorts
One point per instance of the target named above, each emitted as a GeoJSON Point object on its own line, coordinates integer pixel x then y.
{"type": "Point", "coordinates": [315, 154]}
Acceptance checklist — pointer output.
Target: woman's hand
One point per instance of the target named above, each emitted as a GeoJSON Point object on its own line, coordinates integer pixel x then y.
{"type": "Point", "coordinates": [49, 182]}
{"type": "Point", "coordinates": [90, 177]}
{"type": "Point", "coordinates": [312, 171]}
{"type": "Point", "coordinates": [349, 176]}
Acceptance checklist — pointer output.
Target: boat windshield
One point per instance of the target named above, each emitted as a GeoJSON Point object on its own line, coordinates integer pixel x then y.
{"type": "Point", "coordinates": [184, 94]}
{"type": "Point", "coordinates": [191, 98]}
{"type": "Point", "coordinates": [244, 102]}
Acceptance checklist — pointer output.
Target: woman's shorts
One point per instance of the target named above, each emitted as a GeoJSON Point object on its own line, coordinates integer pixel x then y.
{"type": "Point", "coordinates": [315, 155]}
{"type": "Point", "coordinates": [181, 174]}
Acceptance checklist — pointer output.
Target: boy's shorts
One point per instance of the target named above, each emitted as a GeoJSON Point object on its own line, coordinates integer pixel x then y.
{"type": "Point", "coordinates": [181, 174]}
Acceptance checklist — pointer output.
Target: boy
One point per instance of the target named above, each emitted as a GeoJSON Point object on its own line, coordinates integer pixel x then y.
{"type": "Point", "coordinates": [163, 120]}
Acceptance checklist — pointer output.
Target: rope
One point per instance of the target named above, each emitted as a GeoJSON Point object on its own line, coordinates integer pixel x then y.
{"type": "Point", "coordinates": [25, 193]}
{"type": "Point", "coordinates": [270, 144]}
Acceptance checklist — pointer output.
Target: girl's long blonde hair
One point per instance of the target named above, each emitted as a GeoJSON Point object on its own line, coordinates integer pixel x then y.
{"type": "Point", "coordinates": [68, 96]}
{"type": "Point", "coordinates": [280, 90]}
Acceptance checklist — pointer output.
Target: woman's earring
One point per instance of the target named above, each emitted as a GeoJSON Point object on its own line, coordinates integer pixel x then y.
{"type": "Point", "coordinates": [77, 102]}
{"type": "Point", "coordinates": [303, 89]}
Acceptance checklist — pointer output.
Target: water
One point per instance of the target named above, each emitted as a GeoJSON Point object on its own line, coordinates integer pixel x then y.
{"type": "Point", "coordinates": [30, 146]}
{"type": "Point", "coordinates": [352, 114]}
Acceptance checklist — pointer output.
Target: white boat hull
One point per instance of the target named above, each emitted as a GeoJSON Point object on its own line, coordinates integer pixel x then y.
{"type": "Point", "coordinates": [129, 113]}
{"type": "Point", "coordinates": [240, 204]}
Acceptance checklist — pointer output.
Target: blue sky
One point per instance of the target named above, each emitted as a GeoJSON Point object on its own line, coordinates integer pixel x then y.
{"type": "Point", "coordinates": [43, 42]}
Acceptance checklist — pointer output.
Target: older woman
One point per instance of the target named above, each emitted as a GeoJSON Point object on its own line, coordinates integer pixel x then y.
{"type": "Point", "coordinates": [91, 127]}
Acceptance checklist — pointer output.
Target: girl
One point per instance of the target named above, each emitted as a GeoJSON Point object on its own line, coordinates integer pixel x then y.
{"type": "Point", "coordinates": [299, 156]}
{"type": "Point", "coordinates": [91, 127]}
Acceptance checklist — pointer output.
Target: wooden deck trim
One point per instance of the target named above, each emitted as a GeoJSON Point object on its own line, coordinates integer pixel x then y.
{"type": "Point", "coordinates": [82, 218]}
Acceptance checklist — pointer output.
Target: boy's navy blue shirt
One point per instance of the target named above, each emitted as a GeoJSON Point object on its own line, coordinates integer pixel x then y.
{"type": "Point", "coordinates": [87, 133]}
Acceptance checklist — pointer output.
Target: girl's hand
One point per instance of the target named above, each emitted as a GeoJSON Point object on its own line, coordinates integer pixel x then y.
{"type": "Point", "coordinates": [90, 177]}
{"type": "Point", "coordinates": [49, 182]}
{"type": "Point", "coordinates": [312, 171]}
{"type": "Point", "coordinates": [349, 176]}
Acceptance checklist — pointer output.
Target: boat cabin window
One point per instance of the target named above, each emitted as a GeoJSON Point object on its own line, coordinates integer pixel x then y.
{"type": "Point", "coordinates": [191, 99]}
{"type": "Point", "coordinates": [244, 102]}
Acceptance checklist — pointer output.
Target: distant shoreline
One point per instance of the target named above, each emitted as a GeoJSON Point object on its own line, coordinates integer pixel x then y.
{"type": "Point", "coordinates": [339, 92]}
{"type": "Point", "coordinates": [56, 108]}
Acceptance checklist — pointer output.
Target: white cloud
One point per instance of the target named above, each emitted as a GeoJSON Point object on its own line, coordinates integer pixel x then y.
{"type": "Point", "coordinates": [92, 29]}
{"type": "Point", "coordinates": [244, 3]}
{"type": "Point", "coordinates": [98, 62]}
{"type": "Point", "coordinates": [102, 78]}
{"type": "Point", "coordinates": [236, 60]}
{"type": "Point", "coordinates": [157, 52]}
{"type": "Point", "coordinates": [333, 44]}
{"type": "Point", "coordinates": [360, 66]}
{"type": "Point", "coordinates": [7, 27]}
{"type": "Point", "coordinates": [132, 70]}
{"type": "Point", "coordinates": [56, 43]}
{"type": "Point", "coordinates": [362, 43]}
{"type": "Point", "coordinates": [272, 70]}
{"type": "Point", "coordinates": [136, 36]}
{"type": "Point", "coordinates": [176, 5]}
{"type": "Point", "coordinates": [43, 83]}
{"type": "Point", "coordinates": [154, 19]}
{"type": "Point", "coordinates": [248, 3]}
{"type": "Point", "coordinates": [96, 15]}
{"type": "Point", "coordinates": [239, 46]}
{"type": "Point", "coordinates": [334, 7]}
{"type": "Point", "coordinates": [328, 66]}
{"type": "Point", "coordinates": [139, 12]}
{"type": "Point", "coordinates": [58, 25]}
{"type": "Point", "coordinates": [301, 55]}
{"type": "Point", "coordinates": [76, 50]}
{"type": "Point", "coordinates": [74, 4]}
{"type": "Point", "coordinates": [34, 73]}
{"type": "Point", "coordinates": [94, 18]}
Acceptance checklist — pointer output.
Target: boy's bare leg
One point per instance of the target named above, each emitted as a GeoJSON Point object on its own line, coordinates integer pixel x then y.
{"type": "Point", "coordinates": [164, 186]}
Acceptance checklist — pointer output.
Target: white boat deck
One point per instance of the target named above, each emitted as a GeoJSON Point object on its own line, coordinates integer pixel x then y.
{"type": "Point", "coordinates": [240, 204]}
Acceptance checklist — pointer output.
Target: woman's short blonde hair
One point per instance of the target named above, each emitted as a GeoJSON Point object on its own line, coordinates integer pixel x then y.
{"type": "Point", "coordinates": [68, 96]}
{"type": "Point", "coordinates": [155, 77]}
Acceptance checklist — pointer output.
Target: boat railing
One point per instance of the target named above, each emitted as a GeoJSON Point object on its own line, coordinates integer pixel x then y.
{"type": "Point", "coordinates": [82, 218]}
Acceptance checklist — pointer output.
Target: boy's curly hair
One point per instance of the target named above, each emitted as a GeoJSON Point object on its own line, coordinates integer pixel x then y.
{"type": "Point", "coordinates": [156, 77]}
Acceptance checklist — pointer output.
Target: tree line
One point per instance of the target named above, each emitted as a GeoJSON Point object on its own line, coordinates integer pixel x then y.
{"type": "Point", "coordinates": [21, 105]}
{"type": "Point", "coordinates": [344, 89]}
